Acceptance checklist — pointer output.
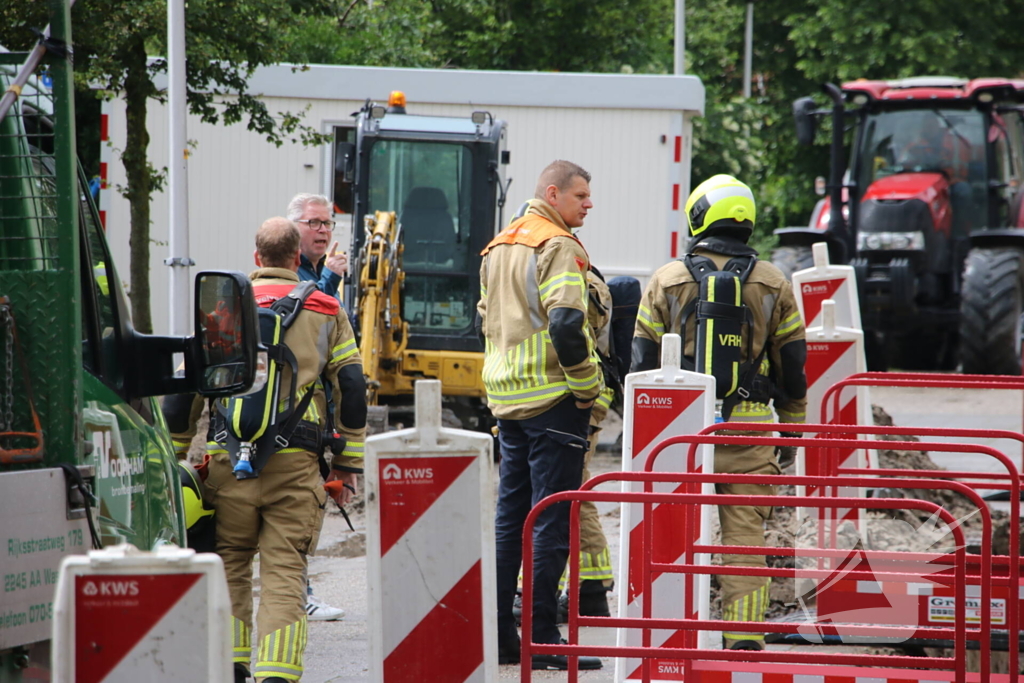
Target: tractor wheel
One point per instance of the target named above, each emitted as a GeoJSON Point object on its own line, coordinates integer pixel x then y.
{"type": "Point", "coordinates": [991, 304]}
{"type": "Point", "coordinates": [791, 259]}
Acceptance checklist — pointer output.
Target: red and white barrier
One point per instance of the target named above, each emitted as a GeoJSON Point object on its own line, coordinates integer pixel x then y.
{"type": "Point", "coordinates": [123, 616]}
{"type": "Point", "coordinates": [430, 522]}
{"type": "Point", "coordinates": [659, 404]}
{"type": "Point", "coordinates": [826, 281]}
{"type": "Point", "coordinates": [834, 353]}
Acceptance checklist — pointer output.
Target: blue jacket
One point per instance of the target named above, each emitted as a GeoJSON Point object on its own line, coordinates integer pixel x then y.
{"type": "Point", "coordinates": [326, 280]}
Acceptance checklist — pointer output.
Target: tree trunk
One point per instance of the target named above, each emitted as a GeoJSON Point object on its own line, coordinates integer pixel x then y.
{"type": "Point", "coordinates": [137, 88]}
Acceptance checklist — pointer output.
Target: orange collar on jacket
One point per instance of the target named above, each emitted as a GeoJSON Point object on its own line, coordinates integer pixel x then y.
{"type": "Point", "coordinates": [267, 293]}
{"type": "Point", "coordinates": [531, 230]}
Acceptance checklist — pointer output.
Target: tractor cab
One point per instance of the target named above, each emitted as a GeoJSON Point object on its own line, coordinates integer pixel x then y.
{"type": "Point", "coordinates": [935, 170]}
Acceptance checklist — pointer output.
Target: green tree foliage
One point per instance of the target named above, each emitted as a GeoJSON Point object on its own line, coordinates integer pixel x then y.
{"type": "Point", "coordinates": [800, 44]}
{"type": "Point", "coordinates": [113, 39]}
{"type": "Point", "coordinates": [382, 33]}
{"type": "Point", "coordinates": [555, 35]}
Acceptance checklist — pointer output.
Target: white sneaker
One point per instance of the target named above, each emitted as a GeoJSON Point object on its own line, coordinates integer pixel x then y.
{"type": "Point", "coordinates": [316, 610]}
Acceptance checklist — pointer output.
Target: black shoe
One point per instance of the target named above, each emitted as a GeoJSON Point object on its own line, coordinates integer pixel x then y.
{"type": "Point", "coordinates": [508, 651]}
{"type": "Point", "coordinates": [563, 609]}
{"type": "Point", "coordinates": [746, 645]}
{"type": "Point", "coordinates": [275, 679]}
{"type": "Point", "coordinates": [241, 673]}
{"type": "Point", "coordinates": [561, 662]}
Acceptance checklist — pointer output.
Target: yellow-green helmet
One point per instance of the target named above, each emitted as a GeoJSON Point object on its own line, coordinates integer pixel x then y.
{"type": "Point", "coordinates": [721, 204]}
{"type": "Point", "coordinates": [196, 511]}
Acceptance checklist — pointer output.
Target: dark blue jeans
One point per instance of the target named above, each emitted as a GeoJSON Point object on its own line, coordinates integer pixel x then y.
{"type": "Point", "coordinates": [539, 456]}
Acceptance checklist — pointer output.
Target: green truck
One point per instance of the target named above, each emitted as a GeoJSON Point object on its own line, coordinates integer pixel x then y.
{"type": "Point", "coordinates": [85, 454]}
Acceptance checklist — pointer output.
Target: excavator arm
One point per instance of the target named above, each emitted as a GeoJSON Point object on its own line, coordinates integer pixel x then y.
{"type": "Point", "coordinates": [383, 333]}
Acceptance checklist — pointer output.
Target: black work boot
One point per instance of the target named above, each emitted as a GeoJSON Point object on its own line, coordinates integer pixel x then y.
{"type": "Point", "coordinates": [561, 662]}
{"type": "Point", "coordinates": [241, 673]}
{"type": "Point", "coordinates": [594, 599]}
{"type": "Point", "coordinates": [745, 645]}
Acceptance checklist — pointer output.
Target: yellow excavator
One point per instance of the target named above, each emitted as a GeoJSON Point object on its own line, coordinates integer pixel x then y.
{"type": "Point", "coordinates": [429, 191]}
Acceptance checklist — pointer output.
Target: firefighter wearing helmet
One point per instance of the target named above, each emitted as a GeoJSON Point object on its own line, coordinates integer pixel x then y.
{"type": "Point", "coordinates": [769, 371]}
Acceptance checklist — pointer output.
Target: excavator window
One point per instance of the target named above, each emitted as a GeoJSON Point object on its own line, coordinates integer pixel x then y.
{"type": "Point", "coordinates": [429, 184]}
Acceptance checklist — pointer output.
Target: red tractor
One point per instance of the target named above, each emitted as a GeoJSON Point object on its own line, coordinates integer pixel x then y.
{"type": "Point", "coordinates": [929, 213]}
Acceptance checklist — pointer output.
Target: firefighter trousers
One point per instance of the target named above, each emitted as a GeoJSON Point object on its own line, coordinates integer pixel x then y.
{"type": "Point", "coordinates": [539, 456]}
{"type": "Point", "coordinates": [744, 598]}
{"type": "Point", "coordinates": [278, 515]}
{"type": "Point", "coordinates": [595, 558]}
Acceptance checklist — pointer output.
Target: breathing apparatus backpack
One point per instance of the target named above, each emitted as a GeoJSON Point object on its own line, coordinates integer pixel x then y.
{"type": "Point", "coordinates": [255, 426]}
{"type": "Point", "coordinates": [626, 294]}
{"type": "Point", "coordinates": [720, 318]}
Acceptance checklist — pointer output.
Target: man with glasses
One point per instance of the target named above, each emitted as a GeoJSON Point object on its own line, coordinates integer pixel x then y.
{"type": "Point", "coordinates": [312, 213]}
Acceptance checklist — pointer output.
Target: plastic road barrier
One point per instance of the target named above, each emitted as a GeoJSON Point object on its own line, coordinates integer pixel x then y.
{"type": "Point", "coordinates": [824, 281]}
{"type": "Point", "coordinates": [430, 523]}
{"type": "Point", "coordinates": [123, 615]}
{"type": "Point", "coordinates": [903, 573]}
{"type": "Point", "coordinates": [833, 354]}
{"type": "Point", "coordinates": [662, 403]}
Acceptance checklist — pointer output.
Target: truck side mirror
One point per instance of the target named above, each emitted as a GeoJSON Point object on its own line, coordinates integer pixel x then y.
{"type": "Point", "coordinates": [345, 160]}
{"type": "Point", "coordinates": [226, 333]}
{"type": "Point", "coordinates": [803, 114]}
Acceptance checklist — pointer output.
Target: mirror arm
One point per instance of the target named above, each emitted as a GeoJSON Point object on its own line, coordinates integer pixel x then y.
{"type": "Point", "coordinates": [154, 367]}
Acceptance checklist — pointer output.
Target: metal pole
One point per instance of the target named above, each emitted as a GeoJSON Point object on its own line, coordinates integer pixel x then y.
{"type": "Point", "coordinates": [837, 225]}
{"type": "Point", "coordinates": [177, 165]}
{"type": "Point", "coordinates": [679, 66]}
{"type": "Point", "coordinates": [748, 53]}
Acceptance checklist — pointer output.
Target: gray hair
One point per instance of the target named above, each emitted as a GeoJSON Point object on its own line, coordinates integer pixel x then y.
{"type": "Point", "coordinates": [297, 206]}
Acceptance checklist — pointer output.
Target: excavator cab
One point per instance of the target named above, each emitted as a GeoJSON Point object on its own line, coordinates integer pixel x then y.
{"type": "Point", "coordinates": [443, 178]}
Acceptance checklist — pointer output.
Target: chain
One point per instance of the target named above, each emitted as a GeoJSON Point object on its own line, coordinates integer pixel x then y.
{"type": "Point", "coordinates": [7, 398]}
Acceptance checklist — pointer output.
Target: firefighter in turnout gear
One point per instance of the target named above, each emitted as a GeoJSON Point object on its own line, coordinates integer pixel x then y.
{"type": "Point", "coordinates": [279, 513]}
{"type": "Point", "coordinates": [595, 558]}
{"type": "Point", "coordinates": [720, 214]}
{"type": "Point", "coordinates": [542, 377]}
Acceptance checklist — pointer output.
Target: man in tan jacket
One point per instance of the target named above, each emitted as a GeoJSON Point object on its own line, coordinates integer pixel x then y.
{"type": "Point", "coordinates": [720, 214]}
{"type": "Point", "coordinates": [279, 513]}
{"type": "Point", "coordinates": [542, 377]}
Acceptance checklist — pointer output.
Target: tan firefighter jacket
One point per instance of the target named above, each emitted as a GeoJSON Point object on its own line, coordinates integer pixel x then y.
{"type": "Point", "coordinates": [768, 295]}
{"type": "Point", "coordinates": [599, 318]}
{"type": "Point", "coordinates": [531, 268]}
{"type": "Point", "coordinates": [320, 337]}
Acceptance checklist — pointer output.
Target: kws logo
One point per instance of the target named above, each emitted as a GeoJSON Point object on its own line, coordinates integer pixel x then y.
{"type": "Point", "coordinates": [112, 588]}
{"type": "Point", "coordinates": [646, 399]}
{"type": "Point", "coordinates": [409, 475]}
{"type": "Point", "coordinates": [815, 289]}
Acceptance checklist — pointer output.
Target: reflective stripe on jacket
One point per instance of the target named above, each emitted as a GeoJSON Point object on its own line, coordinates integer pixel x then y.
{"type": "Point", "coordinates": [529, 269]}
